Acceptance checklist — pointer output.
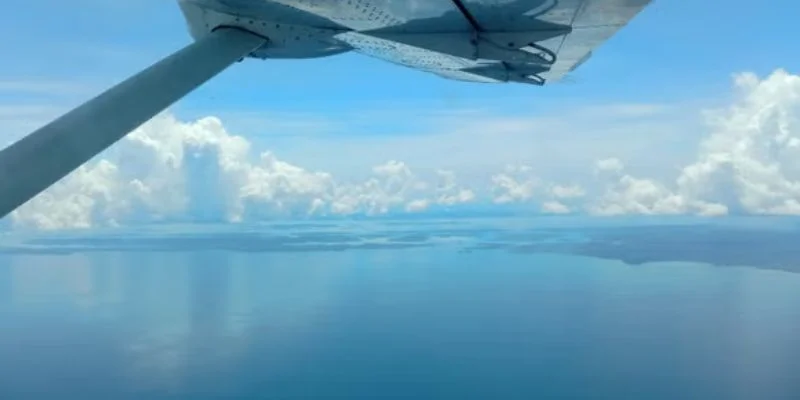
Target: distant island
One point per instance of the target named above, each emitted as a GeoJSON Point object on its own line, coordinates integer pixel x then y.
{"type": "Point", "coordinates": [760, 243]}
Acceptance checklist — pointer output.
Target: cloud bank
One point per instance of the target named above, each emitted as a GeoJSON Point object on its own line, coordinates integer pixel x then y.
{"type": "Point", "coordinates": [747, 161]}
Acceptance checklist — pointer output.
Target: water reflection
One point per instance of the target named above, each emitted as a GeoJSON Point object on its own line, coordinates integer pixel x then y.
{"type": "Point", "coordinates": [417, 323]}
{"type": "Point", "coordinates": [49, 335]}
{"type": "Point", "coordinates": [6, 293]}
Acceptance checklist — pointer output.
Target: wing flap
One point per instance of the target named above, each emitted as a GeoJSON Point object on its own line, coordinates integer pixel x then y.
{"type": "Point", "coordinates": [592, 23]}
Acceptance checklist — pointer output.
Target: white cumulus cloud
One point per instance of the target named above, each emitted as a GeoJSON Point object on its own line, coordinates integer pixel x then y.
{"type": "Point", "coordinates": [609, 165]}
{"type": "Point", "coordinates": [449, 193]}
{"type": "Point", "coordinates": [567, 191]}
{"type": "Point", "coordinates": [516, 184]}
{"type": "Point", "coordinates": [169, 169]}
{"type": "Point", "coordinates": [746, 161]}
{"type": "Point", "coordinates": [751, 160]}
{"type": "Point", "coordinates": [555, 207]}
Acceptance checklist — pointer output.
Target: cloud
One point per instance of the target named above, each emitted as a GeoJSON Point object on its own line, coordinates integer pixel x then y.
{"type": "Point", "coordinates": [417, 206]}
{"type": "Point", "coordinates": [554, 207]}
{"type": "Point", "coordinates": [749, 163]}
{"type": "Point", "coordinates": [171, 170]}
{"type": "Point", "coordinates": [520, 184]}
{"type": "Point", "coordinates": [609, 165]}
{"type": "Point", "coordinates": [449, 193]}
{"type": "Point", "coordinates": [567, 191]}
{"type": "Point", "coordinates": [751, 160]}
{"type": "Point", "coordinates": [627, 194]}
{"type": "Point", "coordinates": [91, 193]}
{"type": "Point", "coordinates": [516, 184]}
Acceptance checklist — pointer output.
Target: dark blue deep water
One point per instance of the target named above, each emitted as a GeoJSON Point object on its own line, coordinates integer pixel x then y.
{"type": "Point", "coordinates": [448, 320]}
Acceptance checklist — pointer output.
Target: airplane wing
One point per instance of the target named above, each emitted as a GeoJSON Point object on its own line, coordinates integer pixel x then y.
{"type": "Point", "coordinates": [529, 41]}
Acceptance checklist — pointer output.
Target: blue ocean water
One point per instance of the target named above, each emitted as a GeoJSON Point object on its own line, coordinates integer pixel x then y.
{"type": "Point", "coordinates": [179, 319]}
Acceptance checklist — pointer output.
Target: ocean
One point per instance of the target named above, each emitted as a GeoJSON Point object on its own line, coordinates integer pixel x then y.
{"type": "Point", "coordinates": [399, 311]}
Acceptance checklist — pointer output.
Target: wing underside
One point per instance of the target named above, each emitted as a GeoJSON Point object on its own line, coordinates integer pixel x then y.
{"type": "Point", "coordinates": [529, 41]}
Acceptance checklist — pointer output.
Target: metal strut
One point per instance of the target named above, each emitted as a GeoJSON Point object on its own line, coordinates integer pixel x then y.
{"type": "Point", "coordinates": [42, 158]}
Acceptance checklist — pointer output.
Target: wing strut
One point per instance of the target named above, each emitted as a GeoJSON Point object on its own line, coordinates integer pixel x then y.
{"type": "Point", "coordinates": [40, 159]}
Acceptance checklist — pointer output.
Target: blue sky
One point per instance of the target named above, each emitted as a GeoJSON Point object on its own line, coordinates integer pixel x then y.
{"type": "Point", "coordinates": [682, 112]}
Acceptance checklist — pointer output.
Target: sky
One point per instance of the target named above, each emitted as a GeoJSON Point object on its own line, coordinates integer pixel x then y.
{"type": "Point", "coordinates": [692, 109]}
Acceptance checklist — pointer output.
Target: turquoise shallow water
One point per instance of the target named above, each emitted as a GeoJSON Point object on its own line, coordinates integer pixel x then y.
{"type": "Point", "coordinates": [512, 309]}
